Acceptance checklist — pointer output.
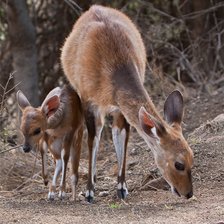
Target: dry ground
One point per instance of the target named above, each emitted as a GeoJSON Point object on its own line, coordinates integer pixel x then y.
{"type": "Point", "coordinates": [23, 196]}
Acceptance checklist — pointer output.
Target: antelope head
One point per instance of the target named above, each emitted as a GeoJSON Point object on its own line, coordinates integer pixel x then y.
{"type": "Point", "coordinates": [172, 153]}
{"type": "Point", "coordinates": [35, 121]}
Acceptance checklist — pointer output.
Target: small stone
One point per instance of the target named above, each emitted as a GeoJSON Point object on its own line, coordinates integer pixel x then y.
{"type": "Point", "coordinates": [81, 195]}
{"type": "Point", "coordinates": [134, 152]}
{"type": "Point", "coordinates": [103, 193]}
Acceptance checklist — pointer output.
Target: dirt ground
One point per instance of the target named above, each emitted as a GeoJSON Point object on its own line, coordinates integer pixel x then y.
{"type": "Point", "coordinates": [23, 197]}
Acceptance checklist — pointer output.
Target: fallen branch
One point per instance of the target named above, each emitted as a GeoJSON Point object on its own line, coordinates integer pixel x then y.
{"type": "Point", "coordinates": [7, 150]}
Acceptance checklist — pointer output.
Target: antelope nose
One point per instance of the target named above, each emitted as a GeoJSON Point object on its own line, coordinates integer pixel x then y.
{"type": "Point", "coordinates": [189, 195]}
{"type": "Point", "coordinates": [26, 148]}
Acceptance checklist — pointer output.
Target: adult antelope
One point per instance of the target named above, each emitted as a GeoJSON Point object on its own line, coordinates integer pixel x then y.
{"type": "Point", "coordinates": [58, 126]}
{"type": "Point", "coordinates": [104, 59]}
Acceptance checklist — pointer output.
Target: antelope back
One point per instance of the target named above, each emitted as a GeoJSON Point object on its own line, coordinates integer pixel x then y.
{"type": "Point", "coordinates": [102, 40]}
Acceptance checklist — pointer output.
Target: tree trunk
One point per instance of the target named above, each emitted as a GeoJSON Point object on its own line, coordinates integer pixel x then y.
{"type": "Point", "coordinates": [22, 37]}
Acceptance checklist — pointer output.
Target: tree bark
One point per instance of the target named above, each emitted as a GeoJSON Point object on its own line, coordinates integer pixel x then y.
{"type": "Point", "coordinates": [22, 37]}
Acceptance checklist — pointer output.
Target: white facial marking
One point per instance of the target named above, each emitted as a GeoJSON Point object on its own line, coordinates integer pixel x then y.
{"type": "Point", "coordinates": [119, 137]}
{"type": "Point", "coordinates": [153, 130]}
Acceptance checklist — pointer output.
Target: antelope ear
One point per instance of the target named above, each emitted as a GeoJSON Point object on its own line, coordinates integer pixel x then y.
{"type": "Point", "coordinates": [51, 106]}
{"type": "Point", "coordinates": [174, 108]}
{"type": "Point", "coordinates": [149, 124]}
{"type": "Point", "coordinates": [22, 100]}
{"type": "Point", "coordinates": [51, 102]}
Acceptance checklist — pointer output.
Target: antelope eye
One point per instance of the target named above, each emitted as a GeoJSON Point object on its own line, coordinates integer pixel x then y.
{"type": "Point", "coordinates": [179, 166]}
{"type": "Point", "coordinates": [37, 131]}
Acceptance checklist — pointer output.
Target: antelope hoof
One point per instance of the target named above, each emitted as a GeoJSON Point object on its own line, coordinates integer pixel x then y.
{"type": "Point", "coordinates": [89, 196]}
{"type": "Point", "coordinates": [51, 196]}
{"type": "Point", "coordinates": [122, 191]}
{"type": "Point", "coordinates": [61, 195]}
{"type": "Point", "coordinates": [45, 182]}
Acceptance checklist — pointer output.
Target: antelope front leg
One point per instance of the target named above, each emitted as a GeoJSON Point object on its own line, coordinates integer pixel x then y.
{"type": "Point", "coordinates": [120, 134]}
{"type": "Point", "coordinates": [43, 151]}
{"type": "Point", "coordinates": [52, 189]}
{"type": "Point", "coordinates": [94, 125]}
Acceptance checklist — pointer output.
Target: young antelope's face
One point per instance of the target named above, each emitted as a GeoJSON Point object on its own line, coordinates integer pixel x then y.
{"type": "Point", "coordinates": [32, 126]}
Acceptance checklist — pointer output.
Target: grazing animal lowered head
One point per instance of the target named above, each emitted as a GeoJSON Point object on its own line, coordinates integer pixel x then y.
{"type": "Point", "coordinates": [56, 125]}
{"type": "Point", "coordinates": [104, 59]}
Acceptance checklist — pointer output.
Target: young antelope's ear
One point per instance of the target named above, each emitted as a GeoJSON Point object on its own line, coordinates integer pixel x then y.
{"type": "Point", "coordinates": [148, 122]}
{"type": "Point", "coordinates": [51, 106]}
{"type": "Point", "coordinates": [22, 100]}
{"type": "Point", "coordinates": [174, 108]}
{"type": "Point", "coordinates": [51, 102]}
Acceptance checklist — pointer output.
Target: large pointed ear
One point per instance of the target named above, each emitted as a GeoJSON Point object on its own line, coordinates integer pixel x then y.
{"type": "Point", "coordinates": [174, 108]}
{"type": "Point", "coordinates": [51, 102]}
{"type": "Point", "coordinates": [22, 100]}
{"type": "Point", "coordinates": [149, 124]}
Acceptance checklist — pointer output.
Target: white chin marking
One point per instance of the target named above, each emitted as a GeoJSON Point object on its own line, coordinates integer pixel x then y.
{"type": "Point", "coordinates": [89, 193]}
{"type": "Point", "coordinates": [172, 190]}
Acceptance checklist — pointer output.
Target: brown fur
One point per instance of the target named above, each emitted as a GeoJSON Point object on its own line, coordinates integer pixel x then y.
{"type": "Point", "coordinates": [65, 123]}
{"type": "Point", "coordinates": [104, 59]}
